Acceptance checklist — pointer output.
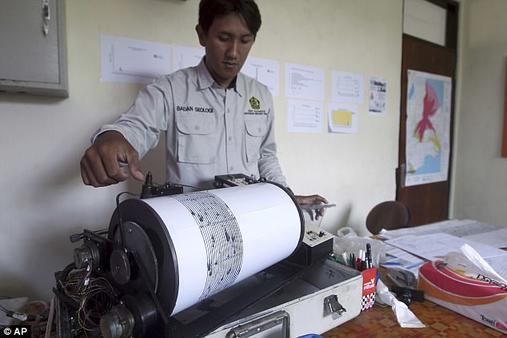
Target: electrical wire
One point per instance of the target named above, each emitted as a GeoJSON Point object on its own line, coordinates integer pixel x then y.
{"type": "Point", "coordinates": [17, 315]}
{"type": "Point", "coordinates": [118, 202]}
{"type": "Point", "coordinates": [94, 297]}
{"type": "Point", "coordinates": [97, 300]}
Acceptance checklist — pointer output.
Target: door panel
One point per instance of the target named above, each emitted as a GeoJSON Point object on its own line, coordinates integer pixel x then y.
{"type": "Point", "coordinates": [427, 202]}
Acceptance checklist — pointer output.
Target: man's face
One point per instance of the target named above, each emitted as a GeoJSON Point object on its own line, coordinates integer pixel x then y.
{"type": "Point", "coordinates": [227, 43]}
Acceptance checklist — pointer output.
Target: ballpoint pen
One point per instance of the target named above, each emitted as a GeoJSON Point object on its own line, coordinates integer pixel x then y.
{"type": "Point", "coordinates": [369, 263]}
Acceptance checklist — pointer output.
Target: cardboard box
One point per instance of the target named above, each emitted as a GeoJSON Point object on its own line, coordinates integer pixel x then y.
{"type": "Point", "coordinates": [480, 299]}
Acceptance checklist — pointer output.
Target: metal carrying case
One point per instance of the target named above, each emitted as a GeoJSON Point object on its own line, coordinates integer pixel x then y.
{"type": "Point", "coordinates": [324, 296]}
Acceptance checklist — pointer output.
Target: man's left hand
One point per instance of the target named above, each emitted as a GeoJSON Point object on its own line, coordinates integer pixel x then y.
{"type": "Point", "coordinates": [312, 200]}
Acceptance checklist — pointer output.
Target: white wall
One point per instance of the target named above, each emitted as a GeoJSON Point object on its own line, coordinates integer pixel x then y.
{"type": "Point", "coordinates": [42, 139]}
{"type": "Point", "coordinates": [480, 174]}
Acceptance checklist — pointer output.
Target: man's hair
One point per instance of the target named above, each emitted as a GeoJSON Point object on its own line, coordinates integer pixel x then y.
{"type": "Point", "coordinates": [247, 9]}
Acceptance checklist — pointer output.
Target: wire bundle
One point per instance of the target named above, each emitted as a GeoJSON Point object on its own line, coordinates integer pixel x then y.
{"type": "Point", "coordinates": [94, 296]}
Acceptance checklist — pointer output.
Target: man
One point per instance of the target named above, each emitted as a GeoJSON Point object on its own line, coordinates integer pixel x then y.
{"type": "Point", "coordinates": [217, 120]}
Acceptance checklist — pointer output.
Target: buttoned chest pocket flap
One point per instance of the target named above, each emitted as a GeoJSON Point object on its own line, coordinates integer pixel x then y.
{"type": "Point", "coordinates": [197, 137]}
{"type": "Point", "coordinates": [256, 129]}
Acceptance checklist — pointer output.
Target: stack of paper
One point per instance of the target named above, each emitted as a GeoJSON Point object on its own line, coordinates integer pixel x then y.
{"type": "Point", "coordinates": [436, 246]}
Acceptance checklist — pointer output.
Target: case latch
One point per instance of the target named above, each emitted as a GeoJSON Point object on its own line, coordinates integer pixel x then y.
{"type": "Point", "coordinates": [332, 305]}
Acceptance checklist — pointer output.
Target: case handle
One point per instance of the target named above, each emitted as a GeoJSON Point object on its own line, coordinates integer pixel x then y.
{"type": "Point", "coordinates": [262, 324]}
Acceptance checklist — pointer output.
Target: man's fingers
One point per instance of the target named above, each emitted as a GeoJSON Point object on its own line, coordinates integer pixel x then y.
{"type": "Point", "coordinates": [87, 173]}
{"type": "Point", "coordinates": [312, 217]}
{"type": "Point", "coordinates": [311, 199]}
{"type": "Point", "coordinates": [84, 175]}
{"type": "Point", "coordinates": [311, 204]}
{"type": "Point", "coordinates": [94, 169]}
{"type": "Point", "coordinates": [318, 198]}
{"type": "Point", "coordinates": [133, 162]}
{"type": "Point", "coordinates": [117, 154]}
{"type": "Point", "coordinates": [99, 165]}
{"type": "Point", "coordinates": [113, 169]}
{"type": "Point", "coordinates": [100, 174]}
{"type": "Point", "coordinates": [319, 213]}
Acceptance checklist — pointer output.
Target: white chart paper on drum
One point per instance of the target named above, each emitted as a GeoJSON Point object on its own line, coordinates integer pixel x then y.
{"type": "Point", "coordinates": [223, 236]}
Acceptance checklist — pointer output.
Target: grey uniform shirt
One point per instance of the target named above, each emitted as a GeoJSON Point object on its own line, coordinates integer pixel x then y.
{"type": "Point", "coordinates": [209, 130]}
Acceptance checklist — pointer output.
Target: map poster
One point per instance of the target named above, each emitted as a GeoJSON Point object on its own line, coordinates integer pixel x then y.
{"type": "Point", "coordinates": [428, 128]}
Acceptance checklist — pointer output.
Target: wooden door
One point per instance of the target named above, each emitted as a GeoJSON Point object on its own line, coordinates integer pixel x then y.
{"type": "Point", "coordinates": [427, 203]}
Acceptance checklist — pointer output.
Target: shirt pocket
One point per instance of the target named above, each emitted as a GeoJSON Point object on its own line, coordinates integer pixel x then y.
{"type": "Point", "coordinates": [197, 137]}
{"type": "Point", "coordinates": [256, 129]}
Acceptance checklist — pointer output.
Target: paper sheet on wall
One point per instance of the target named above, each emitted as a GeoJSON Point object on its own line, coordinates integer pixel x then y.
{"type": "Point", "coordinates": [184, 57]}
{"type": "Point", "coordinates": [304, 82]}
{"type": "Point", "coordinates": [134, 61]}
{"type": "Point", "coordinates": [343, 118]}
{"type": "Point", "coordinates": [377, 96]}
{"type": "Point", "coordinates": [265, 71]}
{"type": "Point", "coordinates": [304, 116]}
{"type": "Point", "coordinates": [347, 87]}
{"type": "Point", "coordinates": [428, 128]}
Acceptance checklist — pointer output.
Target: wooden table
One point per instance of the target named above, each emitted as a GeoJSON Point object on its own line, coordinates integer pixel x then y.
{"type": "Point", "coordinates": [440, 322]}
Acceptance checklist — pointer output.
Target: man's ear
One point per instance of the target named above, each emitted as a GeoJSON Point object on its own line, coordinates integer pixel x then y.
{"type": "Point", "coordinates": [201, 35]}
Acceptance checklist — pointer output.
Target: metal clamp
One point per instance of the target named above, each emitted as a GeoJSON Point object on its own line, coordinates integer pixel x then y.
{"type": "Point", "coordinates": [262, 324]}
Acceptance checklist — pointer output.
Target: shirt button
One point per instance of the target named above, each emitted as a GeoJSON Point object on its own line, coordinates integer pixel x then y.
{"type": "Point", "coordinates": [230, 138]}
{"type": "Point", "coordinates": [260, 130]}
{"type": "Point", "coordinates": [231, 168]}
{"type": "Point", "coordinates": [197, 128]}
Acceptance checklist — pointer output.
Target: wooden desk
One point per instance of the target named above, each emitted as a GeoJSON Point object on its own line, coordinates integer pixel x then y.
{"type": "Point", "coordinates": [440, 322]}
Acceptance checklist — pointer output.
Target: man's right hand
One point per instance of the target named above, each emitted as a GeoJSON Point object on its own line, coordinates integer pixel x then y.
{"type": "Point", "coordinates": [100, 164]}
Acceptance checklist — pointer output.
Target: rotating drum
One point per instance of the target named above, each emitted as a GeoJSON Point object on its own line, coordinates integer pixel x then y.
{"type": "Point", "coordinates": [196, 244]}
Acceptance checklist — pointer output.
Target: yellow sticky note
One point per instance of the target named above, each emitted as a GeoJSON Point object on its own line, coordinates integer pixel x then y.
{"type": "Point", "coordinates": [342, 117]}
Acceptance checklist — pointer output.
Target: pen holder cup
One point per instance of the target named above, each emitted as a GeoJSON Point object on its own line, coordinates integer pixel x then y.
{"type": "Point", "coordinates": [369, 288]}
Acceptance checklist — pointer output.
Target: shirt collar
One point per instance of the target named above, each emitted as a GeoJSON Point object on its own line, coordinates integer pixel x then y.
{"type": "Point", "coordinates": [205, 80]}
